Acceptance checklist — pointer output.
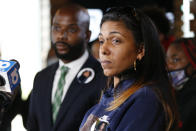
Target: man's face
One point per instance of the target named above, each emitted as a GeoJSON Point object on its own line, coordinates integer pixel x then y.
{"type": "Point", "coordinates": [69, 37]}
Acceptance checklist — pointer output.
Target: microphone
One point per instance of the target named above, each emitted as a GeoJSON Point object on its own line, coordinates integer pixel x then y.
{"type": "Point", "coordinates": [9, 75]}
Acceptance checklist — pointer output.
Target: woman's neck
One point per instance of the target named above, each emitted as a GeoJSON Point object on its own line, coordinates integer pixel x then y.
{"type": "Point", "coordinates": [116, 81]}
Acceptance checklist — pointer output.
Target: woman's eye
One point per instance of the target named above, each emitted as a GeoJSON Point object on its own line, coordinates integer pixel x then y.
{"type": "Point", "coordinates": [115, 41]}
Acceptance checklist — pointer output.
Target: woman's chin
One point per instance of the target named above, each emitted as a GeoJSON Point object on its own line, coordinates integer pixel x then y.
{"type": "Point", "coordinates": [109, 73]}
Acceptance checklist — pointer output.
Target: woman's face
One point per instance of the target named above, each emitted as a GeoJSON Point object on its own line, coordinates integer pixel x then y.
{"type": "Point", "coordinates": [176, 58]}
{"type": "Point", "coordinates": [117, 48]}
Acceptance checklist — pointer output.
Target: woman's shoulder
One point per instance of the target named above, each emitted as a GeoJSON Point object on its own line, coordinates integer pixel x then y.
{"type": "Point", "coordinates": [145, 92]}
{"type": "Point", "coordinates": [144, 97]}
{"type": "Point", "coordinates": [143, 105]}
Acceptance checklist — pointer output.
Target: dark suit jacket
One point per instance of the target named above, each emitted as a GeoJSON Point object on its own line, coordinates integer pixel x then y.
{"type": "Point", "coordinates": [79, 98]}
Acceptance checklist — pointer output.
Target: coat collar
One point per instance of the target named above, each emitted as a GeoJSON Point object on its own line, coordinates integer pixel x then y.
{"type": "Point", "coordinates": [73, 92]}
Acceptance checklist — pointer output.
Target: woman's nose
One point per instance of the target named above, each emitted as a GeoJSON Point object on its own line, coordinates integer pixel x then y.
{"type": "Point", "coordinates": [104, 49]}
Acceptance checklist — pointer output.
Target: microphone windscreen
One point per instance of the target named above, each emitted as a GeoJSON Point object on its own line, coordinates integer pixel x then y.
{"type": "Point", "coordinates": [16, 62]}
{"type": "Point", "coordinates": [9, 73]}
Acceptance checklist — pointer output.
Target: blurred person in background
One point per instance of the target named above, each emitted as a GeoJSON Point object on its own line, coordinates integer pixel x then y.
{"type": "Point", "coordinates": [65, 90]}
{"type": "Point", "coordinates": [162, 23]}
{"type": "Point", "coordinates": [181, 61]}
{"type": "Point", "coordinates": [11, 105]}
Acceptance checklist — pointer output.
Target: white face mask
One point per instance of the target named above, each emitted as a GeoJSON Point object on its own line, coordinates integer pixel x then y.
{"type": "Point", "coordinates": [179, 77]}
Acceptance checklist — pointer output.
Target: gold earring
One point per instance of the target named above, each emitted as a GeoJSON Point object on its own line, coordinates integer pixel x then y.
{"type": "Point", "coordinates": [134, 65]}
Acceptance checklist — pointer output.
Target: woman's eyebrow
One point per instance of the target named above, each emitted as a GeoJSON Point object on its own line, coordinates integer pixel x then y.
{"type": "Point", "coordinates": [113, 32]}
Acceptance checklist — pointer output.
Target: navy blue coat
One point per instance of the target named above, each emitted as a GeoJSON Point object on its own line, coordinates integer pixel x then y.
{"type": "Point", "coordinates": [79, 98]}
{"type": "Point", "coordinates": [142, 111]}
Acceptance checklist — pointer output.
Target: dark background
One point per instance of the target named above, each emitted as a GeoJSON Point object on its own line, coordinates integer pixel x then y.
{"type": "Point", "coordinates": [103, 4]}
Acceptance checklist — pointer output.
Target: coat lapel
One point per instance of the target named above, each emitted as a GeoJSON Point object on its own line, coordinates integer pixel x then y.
{"type": "Point", "coordinates": [72, 93]}
{"type": "Point", "coordinates": [49, 85]}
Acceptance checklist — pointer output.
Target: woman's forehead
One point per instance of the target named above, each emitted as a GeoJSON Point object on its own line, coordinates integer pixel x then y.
{"type": "Point", "coordinates": [115, 26]}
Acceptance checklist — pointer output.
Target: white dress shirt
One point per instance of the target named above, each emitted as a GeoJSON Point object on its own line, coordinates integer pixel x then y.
{"type": "Point", "coordinates": [74, 67]}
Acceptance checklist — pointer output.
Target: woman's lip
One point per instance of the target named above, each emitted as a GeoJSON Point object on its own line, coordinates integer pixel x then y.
{"type": "Point", "coordinates": [105, 63]}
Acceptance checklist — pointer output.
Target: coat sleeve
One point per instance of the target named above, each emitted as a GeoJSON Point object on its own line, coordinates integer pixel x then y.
{"type": "Point", "coordinates": [144, 114]}
{"type": "Point", "coordinates": [32, 124]}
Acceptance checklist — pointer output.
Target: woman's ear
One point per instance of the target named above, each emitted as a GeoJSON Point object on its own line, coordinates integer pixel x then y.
{"type": "Point", "coordinates": [141, 52]}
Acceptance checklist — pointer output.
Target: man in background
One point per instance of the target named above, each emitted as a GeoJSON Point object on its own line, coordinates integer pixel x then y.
{"type": "Point", "coordinates": [59, 99]}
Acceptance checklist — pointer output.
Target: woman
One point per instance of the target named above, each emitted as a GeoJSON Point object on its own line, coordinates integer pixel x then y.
{"type": "Point", "coordinates": [181, 60]}
{"type": "Point", "coordinates": [138, 97]}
